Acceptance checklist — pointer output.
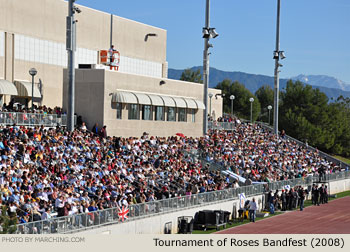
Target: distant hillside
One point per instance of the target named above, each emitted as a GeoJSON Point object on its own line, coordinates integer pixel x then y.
{"type": "Point", "coordinates": [253, 81]}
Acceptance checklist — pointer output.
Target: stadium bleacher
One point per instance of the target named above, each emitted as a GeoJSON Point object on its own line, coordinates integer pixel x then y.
{"type": "Point", "coordinates": [49, 172]}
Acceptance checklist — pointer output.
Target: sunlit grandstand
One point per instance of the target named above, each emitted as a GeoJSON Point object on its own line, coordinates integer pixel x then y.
{"type": "Point", "coordinates": [137, 153]}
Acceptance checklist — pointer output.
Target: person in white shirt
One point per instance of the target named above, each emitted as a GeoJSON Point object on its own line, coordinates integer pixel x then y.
{"type": "Point", "coordinates": [252, 209]}
{"type": "Point", "coordinates": [83, 127]}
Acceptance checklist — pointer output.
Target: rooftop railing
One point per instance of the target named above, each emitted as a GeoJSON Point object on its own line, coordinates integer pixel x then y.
{"type": "Point", "coordinates": [32, 119]}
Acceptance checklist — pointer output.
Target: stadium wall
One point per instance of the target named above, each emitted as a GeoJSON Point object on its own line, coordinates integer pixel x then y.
{"type": "Point", "coordinates": [33, 34]}
{"type": "Point", "coordinates": [94, 94]}
{"type": "Point", "coordinates": [339, 186]}
{"type": "Point", "coordinates": [156, 224]}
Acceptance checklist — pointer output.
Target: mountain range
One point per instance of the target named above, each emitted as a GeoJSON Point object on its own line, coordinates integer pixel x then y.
{"type": "Point", "coordinates": [331, 86]}
{"type": "Point", "coordinates": [323, 80]}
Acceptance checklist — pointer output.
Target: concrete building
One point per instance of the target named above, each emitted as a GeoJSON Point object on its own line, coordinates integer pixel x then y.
{"type": "Point", "coordinates": [132, 104]}
{"type": "Point", "coordinates": [33, 34]}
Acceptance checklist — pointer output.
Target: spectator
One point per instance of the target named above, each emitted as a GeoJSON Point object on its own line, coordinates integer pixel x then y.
{"type": "Point", "coordinates": [252, 210]}
{"type": "Point", "coordinates": [95, 129]}
{"type": "Point", "coordinates": [39, 167]}
{"type": "Point", "coordinates": [83, 127]}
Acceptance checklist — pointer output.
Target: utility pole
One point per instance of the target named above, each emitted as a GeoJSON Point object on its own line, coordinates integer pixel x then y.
{"type": "Point", "coordinates": [206, 69]}
{"type": "Point", "coordinates": [277, 55]}
{"type": "Point", "coordinates": [111, 33]}
{"type": "Point", "coordinates": [207, 34]}
{"type": "Point", "coordinates": [71, 47]}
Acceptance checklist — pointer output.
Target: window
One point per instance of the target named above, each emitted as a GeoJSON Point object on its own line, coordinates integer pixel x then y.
{"type": "Point", "coordinates": [133, 112]}
{"type": "Point", "coordinates": [146, 112]}
{"type": "Point", "coordinates": [193, 115]}
{"type": "Point", "coordinates": [159, 113]}
{"type": "Point", "coordinates": [182, 115]}
{"type": "Point", "coordinates": [119, 110]}
{"type": "Point", "coordinates": [171, 114]}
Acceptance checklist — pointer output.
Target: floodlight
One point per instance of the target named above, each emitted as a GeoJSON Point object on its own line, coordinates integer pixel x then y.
{"type": "Point", "coordinates": [205, 33]}
{"type": "Point", "coordinates": [213, 33]}
{"type": "Point", "coordinates": [282, 55]}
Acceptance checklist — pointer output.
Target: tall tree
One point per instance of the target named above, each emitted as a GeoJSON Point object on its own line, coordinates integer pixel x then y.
{"type": "Point", "coordinates": [306, 114]}
{"type": "Point", "coordinates": [241, 102]}
{"type": "Point", "coordinates": [7, 223]}
{"type": "Point", "coordinates": [191, 76]}
{"type": "Point", "coordinates": [265, 95]}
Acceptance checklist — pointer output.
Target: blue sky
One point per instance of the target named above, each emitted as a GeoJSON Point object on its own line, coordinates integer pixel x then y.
{"type": "Point", "coordinates": [315, 34]}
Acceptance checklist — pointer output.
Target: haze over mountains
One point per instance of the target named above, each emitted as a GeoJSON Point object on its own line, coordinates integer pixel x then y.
{"type": "Point", "coordinates": [331, 86]}
{"type": "Point", "coordinates": [323, 80]}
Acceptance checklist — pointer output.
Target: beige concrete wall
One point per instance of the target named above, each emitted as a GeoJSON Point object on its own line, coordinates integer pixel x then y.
{"type": "Point", "coordinates": [7, 62]}
{"type": "Point", "coordinates": [46, 20]}
{"type": "Point", "coordinates": [94, 89]}
{"type": "Point", "coordinates": [89, 90]}
{"type": "Point", "coordinates": [50, 75]}
{"type": "Point", "coordinates": [129, 39]}
{"type": "Point", "coordinates": [216, 103]}
{"type": "Point", "coordinates": [156, 224]}
{"type": "Point", "coordinates": [9, 56]}
{"type": "Point", "coordinates": [125, 127]}
{"type": "Point", "coordinates": [2, 67]}
{"type": "Point", "coordinates": [339, 186]}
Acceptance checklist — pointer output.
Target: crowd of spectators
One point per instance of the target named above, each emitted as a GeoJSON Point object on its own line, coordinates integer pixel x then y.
{"type": "Point", "coordinates": [38, 109]}
{"type": "Point", "coordinates": [45, 171]}
{"type": "Point", "coordinates": [255, 154]}
{"type": "Point", "coordinates": [50, 171]}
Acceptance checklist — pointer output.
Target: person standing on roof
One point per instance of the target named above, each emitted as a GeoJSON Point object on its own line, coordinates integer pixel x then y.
{"type": "Point", "coordinates": [112, 63]}
{"type": "Point", "coordinates": [111, 52]}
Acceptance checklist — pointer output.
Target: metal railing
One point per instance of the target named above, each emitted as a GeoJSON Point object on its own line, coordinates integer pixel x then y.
{"type": "Point", "coordinates": [80, 222]}
{"type": "Point", "coordinates": [221, 125]}
{"type": "Point", "coordinates": [32, 119]}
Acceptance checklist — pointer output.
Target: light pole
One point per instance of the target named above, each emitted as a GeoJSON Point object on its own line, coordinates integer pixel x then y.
{"type": "Point", "coordinates": [33, 72]}
{"type": "Point", "coordinates": [276, 56]}
{"type": "Point", "coordinates": [210, 96]}
{"type": "Point", "coordinates": [207, 34]}
{"type": "Point", "coordinates": [232, 97]}
{"type": "Point", "coordinates": [269, 108]}
{"type": "Point", "coordinates": [71, 47]}
{"type": "Point", "coordinates": [222, 96]}
{"type": "Point", "coordinates": [251, 109]}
